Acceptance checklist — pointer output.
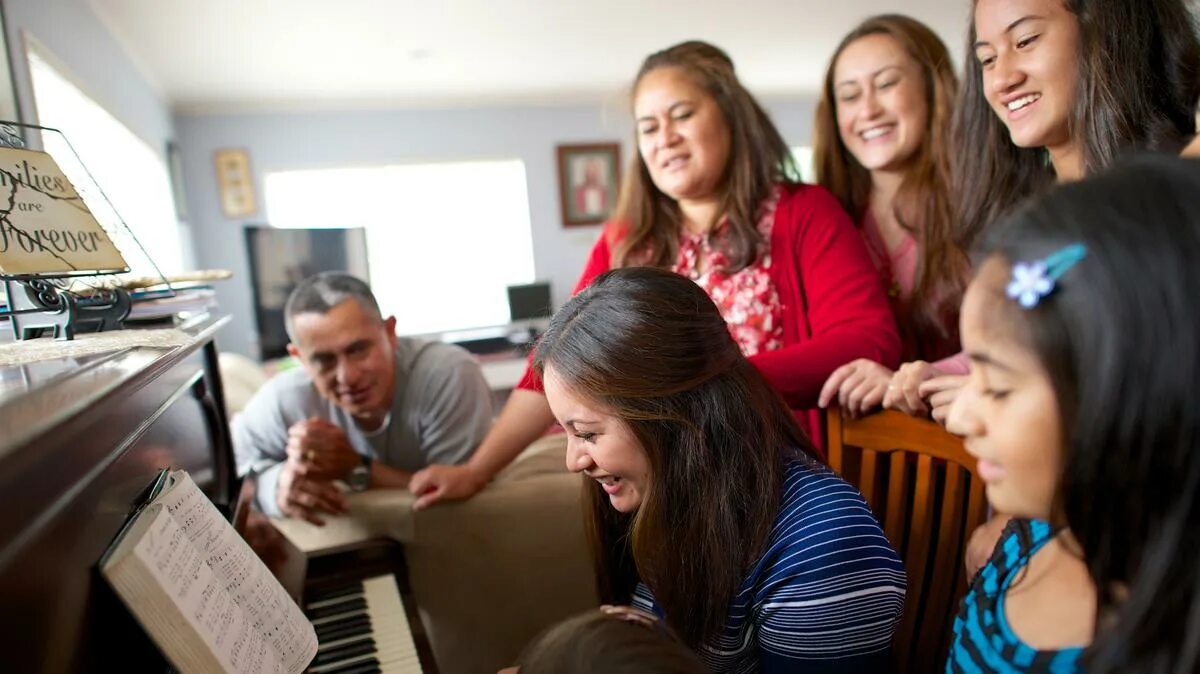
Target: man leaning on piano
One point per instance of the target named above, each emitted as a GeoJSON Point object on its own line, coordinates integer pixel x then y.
{"type": "Point", "coordinates": [366, 408]}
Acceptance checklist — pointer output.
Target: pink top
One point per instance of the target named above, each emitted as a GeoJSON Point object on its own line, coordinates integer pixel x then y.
{"type": "Point", "coordinates": [898, 273]}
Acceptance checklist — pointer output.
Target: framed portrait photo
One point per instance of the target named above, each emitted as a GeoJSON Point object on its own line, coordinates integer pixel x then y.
{"type": "Point", "coordinates": [588, 181]}
{"type": "Point", "coordinates": [234, 183]}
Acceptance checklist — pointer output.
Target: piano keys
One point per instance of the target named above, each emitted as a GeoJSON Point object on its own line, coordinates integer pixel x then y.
{"type": "Point", "coordinates": [362, 628]}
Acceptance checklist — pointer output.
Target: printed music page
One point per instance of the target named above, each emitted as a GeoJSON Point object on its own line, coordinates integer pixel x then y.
{"type": "Point", "coordinates": [273, 615]}
{"type": "Point", "coordinates": [182, 603]}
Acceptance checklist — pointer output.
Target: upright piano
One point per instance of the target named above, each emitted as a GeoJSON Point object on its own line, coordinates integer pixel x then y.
{"type": "Point", "coordinates": [80, 439]}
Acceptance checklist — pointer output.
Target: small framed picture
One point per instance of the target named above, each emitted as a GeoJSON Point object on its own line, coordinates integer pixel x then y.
{"type": "Point", "coordinates": [588, 181]}
{"type": "Point", "coordinates": [234, 182]}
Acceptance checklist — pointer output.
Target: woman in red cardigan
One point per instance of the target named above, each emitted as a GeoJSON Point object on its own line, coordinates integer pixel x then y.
{"type": "Point", "coordinates": [708, 198]}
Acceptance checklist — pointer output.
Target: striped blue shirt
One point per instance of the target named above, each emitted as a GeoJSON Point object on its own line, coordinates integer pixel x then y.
{"type": "Point", "coordinates": [825, 595]}
{"type": "Point", "coordinates": [983, 640]}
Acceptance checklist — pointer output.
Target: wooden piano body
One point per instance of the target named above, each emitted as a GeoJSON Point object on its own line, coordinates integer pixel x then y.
{"type": "Point", "coordinates": [80, 438]}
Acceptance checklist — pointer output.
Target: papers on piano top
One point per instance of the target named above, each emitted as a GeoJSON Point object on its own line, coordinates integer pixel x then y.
{"type": "Point", "coordinates": [200, 592]}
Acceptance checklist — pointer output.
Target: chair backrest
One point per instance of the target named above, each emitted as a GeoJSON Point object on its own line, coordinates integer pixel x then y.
{"type": "Point", "coordinates": [922, 486]}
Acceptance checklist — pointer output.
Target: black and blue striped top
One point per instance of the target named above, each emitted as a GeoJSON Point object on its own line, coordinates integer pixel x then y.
{"type": "Point", "coordinates": [983, 640]}
{"type": "Point", "coordinates": [826, 594]}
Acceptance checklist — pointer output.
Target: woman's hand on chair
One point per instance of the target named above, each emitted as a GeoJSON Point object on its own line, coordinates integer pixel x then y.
{"type": "Point", "coordinates": [903, 392]}
{"type": "Point", "coordinates": [941, 393]}
{"type": "Point", "coordinates": [858, 386]}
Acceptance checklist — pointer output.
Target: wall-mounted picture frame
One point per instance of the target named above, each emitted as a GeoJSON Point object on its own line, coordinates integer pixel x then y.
{"type": "Point", "coordinates": [589, 176]}
{"type": "Point", "coordinates": [234, 182]}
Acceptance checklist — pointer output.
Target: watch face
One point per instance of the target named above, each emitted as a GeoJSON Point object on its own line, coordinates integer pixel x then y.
{"type": "Point", "coordinates": [359, 478]}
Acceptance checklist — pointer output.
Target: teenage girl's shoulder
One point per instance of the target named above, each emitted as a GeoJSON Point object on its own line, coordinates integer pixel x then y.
{"type": "Point", "coordinates": [1019, 538]}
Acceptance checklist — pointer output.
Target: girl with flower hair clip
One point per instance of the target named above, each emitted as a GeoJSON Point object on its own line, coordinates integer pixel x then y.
{"type": "Point", "coordinates": [1081, 410]}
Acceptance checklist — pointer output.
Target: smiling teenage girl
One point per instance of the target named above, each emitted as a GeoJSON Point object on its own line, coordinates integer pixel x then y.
{"type": "Point", "coordinates": [881, 145]}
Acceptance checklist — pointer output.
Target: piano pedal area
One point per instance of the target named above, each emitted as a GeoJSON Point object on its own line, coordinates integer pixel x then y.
{"type": "Point", "coordinates": [363, 611]}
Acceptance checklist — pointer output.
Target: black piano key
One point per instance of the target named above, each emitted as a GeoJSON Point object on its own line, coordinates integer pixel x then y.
{"type": "Point", "coordinates": [345, 633]}
{"type": "Point", "coordinates": [337, 623]}
{"type": "Point", "coordinates": [360, 624]}
{"type": "Point", "coordinates": [365, 667]}
{"type": "Point", "coordinates": [338, 608]}
{"type": "Point", "coordinates": [335, 592]}
{"type": "Point", "coordinates": [364, 647]}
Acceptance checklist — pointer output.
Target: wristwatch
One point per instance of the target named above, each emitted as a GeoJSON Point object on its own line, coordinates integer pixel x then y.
{"type": "Point", "coordinates": [359, 477]}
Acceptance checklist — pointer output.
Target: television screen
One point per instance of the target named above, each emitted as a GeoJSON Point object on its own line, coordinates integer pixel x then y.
{"type": "Point", "coordinates": [529, 301]}
{"type": "Point", "coordinates": [281, 258]}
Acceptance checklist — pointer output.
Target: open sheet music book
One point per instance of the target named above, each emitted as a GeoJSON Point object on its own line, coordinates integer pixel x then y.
{"type": "Point", "coordinates": [200, 592]}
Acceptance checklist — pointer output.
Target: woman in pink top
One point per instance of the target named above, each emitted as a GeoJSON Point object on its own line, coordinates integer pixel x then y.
{"type": "Point", "coordinates": [881, 147]}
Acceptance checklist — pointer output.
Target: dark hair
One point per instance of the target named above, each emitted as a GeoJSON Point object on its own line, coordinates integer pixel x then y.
{"type": "Point", "coordinates": [1120, 341]}
{"type": "Point", "coordinates": [322, 292]}
{"type": "Point", "coordinates": [1139, 66]}
{"type": "Point", "coordinates": [922, 204]}
{"type": "Point", "coordinates": [597, 643]}
{"type": "Point", "coordinates": [650, 347]}
{"type": "Point", "coordinates": [759, 159]}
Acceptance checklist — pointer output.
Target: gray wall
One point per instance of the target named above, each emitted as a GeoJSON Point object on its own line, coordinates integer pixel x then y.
{"type": "Point", "coordinates": [81, 43]}
{"type": "Point", "coordinates": [317, 140]}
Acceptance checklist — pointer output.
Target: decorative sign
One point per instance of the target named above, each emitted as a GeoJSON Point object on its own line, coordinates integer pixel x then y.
{"type": "Point", "coordinates": [45, 227]}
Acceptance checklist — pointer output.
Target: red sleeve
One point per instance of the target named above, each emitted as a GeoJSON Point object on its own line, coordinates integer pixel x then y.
{"type": "Point", "coordinates": [598, 262]}
{"type": "Point", "coordinates": [840, 296]}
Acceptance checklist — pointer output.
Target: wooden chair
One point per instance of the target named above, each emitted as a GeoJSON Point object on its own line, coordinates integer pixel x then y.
{"type": "Point", "coordinates": [921, 484]}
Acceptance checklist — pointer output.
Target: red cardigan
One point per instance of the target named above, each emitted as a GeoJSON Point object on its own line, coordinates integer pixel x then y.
{"type": "Point", "coordinates": [834, 310]}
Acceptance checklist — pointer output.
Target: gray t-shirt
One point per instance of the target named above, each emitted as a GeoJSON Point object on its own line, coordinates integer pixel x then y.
{"type": "Point", "coordinates": [441, 410]}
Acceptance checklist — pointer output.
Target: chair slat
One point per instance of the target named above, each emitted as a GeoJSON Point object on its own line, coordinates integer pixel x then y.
{"type": "Point", "coordinates": [867, 486]}
{"type": "Point", "coordinates": [897, 498]}
{"type": "Point", "coordinates": [833, 427]}
{"type": "Point", "coordinates": [944, 585]}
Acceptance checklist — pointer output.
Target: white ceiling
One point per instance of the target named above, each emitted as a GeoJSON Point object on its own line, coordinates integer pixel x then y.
{"type": "Point", "coordinates": [231, 55]}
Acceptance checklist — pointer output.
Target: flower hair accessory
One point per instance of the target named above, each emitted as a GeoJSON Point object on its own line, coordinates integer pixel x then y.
{"type": "Point", "coordinates": [1031, 281]}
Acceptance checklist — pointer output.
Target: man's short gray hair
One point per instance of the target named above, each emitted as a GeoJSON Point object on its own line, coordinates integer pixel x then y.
{"type": "Point", "coordinates": [318, 294]}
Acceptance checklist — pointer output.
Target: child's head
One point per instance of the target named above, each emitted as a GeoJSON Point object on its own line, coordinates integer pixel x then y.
{"type": "Point", "coordinates": [1084, 407]}
{"type": "Point", "coordinates": [609, 641]}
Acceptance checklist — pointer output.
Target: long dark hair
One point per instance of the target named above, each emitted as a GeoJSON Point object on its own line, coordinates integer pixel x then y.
{"type": "Point", "coordinates": [1139, 80]}
{"type": "Point", "coordinates": [1120, 340]}
{"type": "Point", "coordinates": [759, 160]}
{"type": "Point", "coordinates": [650, 347]}
{"type": "Point", "coordinates": [922, 204]}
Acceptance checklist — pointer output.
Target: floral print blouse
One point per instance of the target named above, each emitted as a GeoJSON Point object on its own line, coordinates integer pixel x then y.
{"type": "Point", "coordinates": [747, 299]}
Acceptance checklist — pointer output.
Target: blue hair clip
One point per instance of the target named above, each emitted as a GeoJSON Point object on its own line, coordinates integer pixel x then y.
{"type": "Point", "coordinates": [1031, 281]}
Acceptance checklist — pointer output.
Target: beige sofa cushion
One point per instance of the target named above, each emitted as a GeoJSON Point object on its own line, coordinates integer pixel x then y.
{"type": "Point", "coordinates": [490, 573]}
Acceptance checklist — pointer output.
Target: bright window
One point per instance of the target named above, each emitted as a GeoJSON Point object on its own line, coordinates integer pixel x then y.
{"type": "Point", "coordinates": [444, 240]}
{"type": "Point", "coordinates": [132, 174]}
{"type": "Point", "coordinates": [804, 162]}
